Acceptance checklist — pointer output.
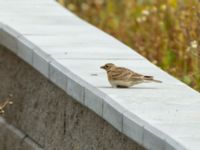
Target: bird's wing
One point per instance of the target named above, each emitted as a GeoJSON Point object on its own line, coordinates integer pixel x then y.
{"type": "Point", "coordinates": [121, 73]}
{"type": "Point", "coordinates": [136, 76]}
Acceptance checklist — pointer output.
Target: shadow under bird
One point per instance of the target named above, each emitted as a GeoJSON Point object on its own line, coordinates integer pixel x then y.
{"type": "Point", "coordinates": [124, 78]}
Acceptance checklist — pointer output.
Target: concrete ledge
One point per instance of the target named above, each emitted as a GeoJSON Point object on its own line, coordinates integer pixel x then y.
{"type": "Point", "coordinates": [49, 116]}
{"type": "Point", "coordinates": [157, 116]}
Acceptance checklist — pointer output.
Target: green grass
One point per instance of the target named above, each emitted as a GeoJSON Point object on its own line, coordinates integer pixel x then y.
{"type": "Point", "coordinates": [164, 31]}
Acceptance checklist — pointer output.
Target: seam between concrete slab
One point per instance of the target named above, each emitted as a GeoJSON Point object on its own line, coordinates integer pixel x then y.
{"type": "Point", "coordinates": [84, 96]}
{"type": "Point", "coordinates": [34, 142]}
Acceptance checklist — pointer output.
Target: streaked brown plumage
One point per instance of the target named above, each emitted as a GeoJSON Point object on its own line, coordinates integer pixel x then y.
{"type": "Point", "coordinates": [123, 77]}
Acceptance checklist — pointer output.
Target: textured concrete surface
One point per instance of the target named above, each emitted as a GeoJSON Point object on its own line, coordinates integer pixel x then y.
{"type": "Point", "coordinates": [13, 139]}
{"type": "Point", "coordinates": [66, 49]}
{"type": "Point", "coordinates": [49, 116]}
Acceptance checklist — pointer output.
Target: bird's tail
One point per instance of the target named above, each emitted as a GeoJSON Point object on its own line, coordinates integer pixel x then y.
{"type": "Point", "coordinates": [151, 79]}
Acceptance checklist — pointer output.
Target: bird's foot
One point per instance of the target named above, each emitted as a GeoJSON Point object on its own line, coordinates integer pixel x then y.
{"type": "Point", "coordinates": [121, 86]}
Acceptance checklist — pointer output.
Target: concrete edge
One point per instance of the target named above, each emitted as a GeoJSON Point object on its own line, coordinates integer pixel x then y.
{"type": "Point", "coordinates": [112, 112]}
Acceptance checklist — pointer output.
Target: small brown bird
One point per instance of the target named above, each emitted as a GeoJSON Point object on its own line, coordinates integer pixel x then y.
{"type": "Point", "coordinates": [123, 77]}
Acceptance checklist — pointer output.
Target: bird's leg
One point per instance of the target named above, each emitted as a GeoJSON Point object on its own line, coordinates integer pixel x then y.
{"type": "Point", "coordinates": [114, 86]}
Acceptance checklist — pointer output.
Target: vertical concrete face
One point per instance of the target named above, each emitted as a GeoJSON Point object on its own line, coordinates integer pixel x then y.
{"type": "Point", "coordinates": [50, 117]}
{"type": "Point", "coordinates": [13, 139]}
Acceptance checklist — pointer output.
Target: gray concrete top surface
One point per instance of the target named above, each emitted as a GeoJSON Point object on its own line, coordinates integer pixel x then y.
{"type": "Point", "coordinates": [69, 52]}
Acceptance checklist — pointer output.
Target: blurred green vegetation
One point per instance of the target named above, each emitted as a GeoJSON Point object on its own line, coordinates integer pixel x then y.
{"type": "Point", "coordinates": [164, 31]}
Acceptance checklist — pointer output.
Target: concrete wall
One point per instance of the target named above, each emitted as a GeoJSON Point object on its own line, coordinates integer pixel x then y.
{"type": "Point", "coordinates": [68, 51]}
{"type": "Point", "coordinates": [44, 117]}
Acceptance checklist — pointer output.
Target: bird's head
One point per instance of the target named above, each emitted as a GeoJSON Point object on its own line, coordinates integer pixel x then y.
{"type": "Point", "coordinates": [107, 66]}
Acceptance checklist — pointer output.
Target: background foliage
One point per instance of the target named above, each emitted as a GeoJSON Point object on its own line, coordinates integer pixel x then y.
{"type": "Point", "coordinates": [164, 31]}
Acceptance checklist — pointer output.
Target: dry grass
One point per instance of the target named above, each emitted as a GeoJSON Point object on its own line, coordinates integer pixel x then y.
{"type": "Point", "coordinates": [164, 31]}
{"type": "Point", "coordinates": [5, 103]}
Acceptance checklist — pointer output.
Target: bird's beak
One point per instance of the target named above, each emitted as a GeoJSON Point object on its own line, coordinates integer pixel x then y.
{"type": "Point", "coordinates": [102, 67]}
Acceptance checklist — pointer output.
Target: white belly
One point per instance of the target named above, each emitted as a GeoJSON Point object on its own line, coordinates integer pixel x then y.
{"type": "Point", "coordinates": [116, 83]}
